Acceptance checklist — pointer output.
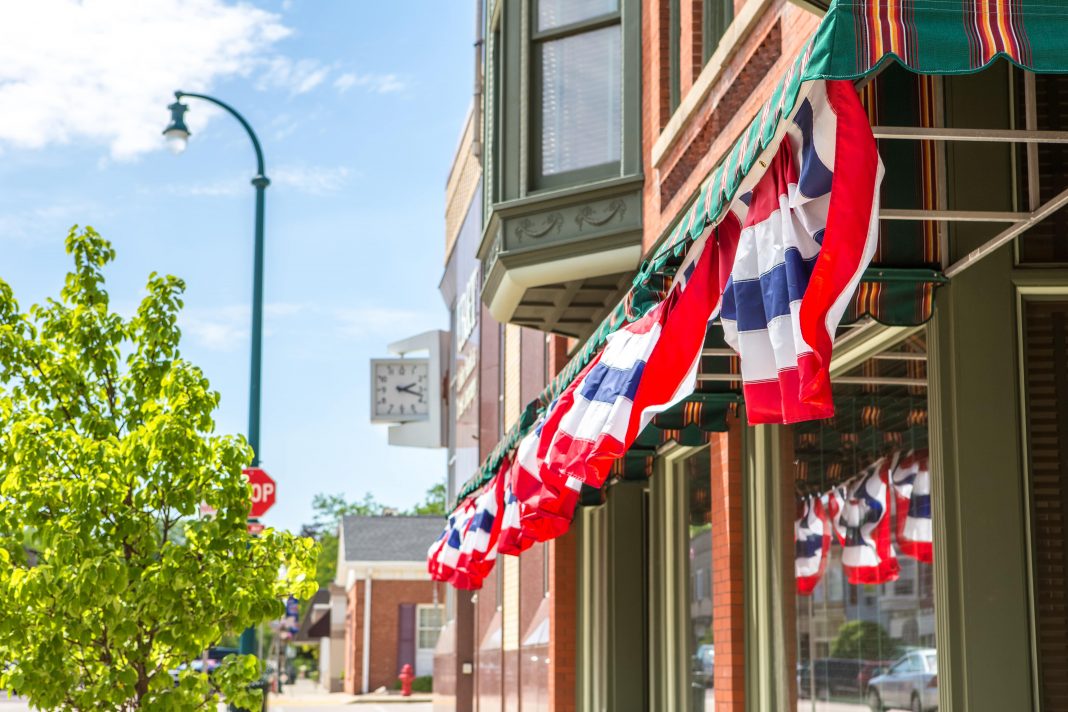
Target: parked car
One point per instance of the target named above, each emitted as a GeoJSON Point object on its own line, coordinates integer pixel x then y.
{"type": "Point", "coordinates": [704, 664]}
{"type": "Point", "coordinates": [837, 677]}
{"type": "Point", "coordinates": [215, 657]}
{"type": "Point", "coordinates": [911, 683]}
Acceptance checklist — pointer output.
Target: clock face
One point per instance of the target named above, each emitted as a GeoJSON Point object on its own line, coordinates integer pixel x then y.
{"type": "Point", "coordinates": [399, 389]}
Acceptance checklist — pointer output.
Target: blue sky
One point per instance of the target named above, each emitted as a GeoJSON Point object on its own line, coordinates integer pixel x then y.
{"type": "Point", "coordinates": [359, 106]}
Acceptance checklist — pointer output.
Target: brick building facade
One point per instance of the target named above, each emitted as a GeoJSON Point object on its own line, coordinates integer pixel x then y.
{"type": "Point", "coordinates": [392, 610]}
{"type": "Point", "coordinates": [388, 599]}
{"type": "Point", "coordinates": [675, 587]}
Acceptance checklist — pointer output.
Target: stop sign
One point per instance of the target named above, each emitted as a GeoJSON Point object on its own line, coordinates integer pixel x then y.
{"type": "Point", "coordinates": [263, 491]}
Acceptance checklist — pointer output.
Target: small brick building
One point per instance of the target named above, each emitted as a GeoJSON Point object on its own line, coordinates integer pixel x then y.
{"type": "Point", "coordinates": [393, 611]}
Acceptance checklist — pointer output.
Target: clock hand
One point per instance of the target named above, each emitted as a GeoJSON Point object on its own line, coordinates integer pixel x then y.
{"type": "Point", "coordinates": [406, 389]}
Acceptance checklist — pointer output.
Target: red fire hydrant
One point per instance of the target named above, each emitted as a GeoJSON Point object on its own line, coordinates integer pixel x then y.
{"type": "Point", "coordinates": [406, 676]}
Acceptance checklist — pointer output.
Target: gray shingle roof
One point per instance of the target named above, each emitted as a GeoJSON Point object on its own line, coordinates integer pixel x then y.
{"type": "Point", "coordinates": [389, 538]}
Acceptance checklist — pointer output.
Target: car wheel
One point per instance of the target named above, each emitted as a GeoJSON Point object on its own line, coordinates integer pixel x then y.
{"type": "Point", "coordinates": [917, 706]}
{"type": "Point", "coordinates": [874, 701]}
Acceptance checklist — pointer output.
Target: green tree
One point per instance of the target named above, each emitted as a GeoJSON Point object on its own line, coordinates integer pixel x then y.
{"type": "Point", "coordinates": [864, 640]}
{"type": "Point", "coordinates": [330, 508]}
{"type": "Point", "coordinates": [107, 451]}
{"type": "Point", "coordinates": [434, 504]}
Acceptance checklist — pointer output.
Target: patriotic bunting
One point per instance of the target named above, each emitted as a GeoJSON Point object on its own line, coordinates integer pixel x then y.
{"type": "Point", "coordinates": [809, 231]}
{"type": "Point", "coordinates": [478, 547]}
{"type": "Point", "coordinates": [780, 269]}
{"type": "Point", "coordinates": [912, 492]}
{"type": "Point", "coordinates": [812, 542]}
{"type": "Point", "coordinates": [511, 540]}
{"type": "Point", "coordinates": [645, 368]}
{"type": "Point", "coordinates": [858, 513]}
{"type": "Point", "coordinates": [444, 554]}
{"type": "Point", "coordinates": [546, 504]}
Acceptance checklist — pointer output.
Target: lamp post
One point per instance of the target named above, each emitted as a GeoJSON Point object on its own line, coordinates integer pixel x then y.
{"type": "Point", "coordinates": [177, 134]}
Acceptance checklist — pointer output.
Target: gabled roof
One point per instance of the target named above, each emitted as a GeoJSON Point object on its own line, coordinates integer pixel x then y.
{"type": "Point", "coordinates": [389, 538]}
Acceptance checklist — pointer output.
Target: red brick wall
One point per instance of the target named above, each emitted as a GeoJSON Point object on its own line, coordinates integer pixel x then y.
{"type": "Point", "coordinates": [386, 597]}
{"type": "Point", "coordinates": [691, 50]}
{"type": "Point", "coordinates": [532, 365]}
{"type": "Point", "coordinates": [533, 679]}
{"type": "Point", "coordinates": [531, 588]}
{"type": "Point", "coordinates": [563, 572]}
{"type": "Point", "coordinates": [487, 661]}
{"type": "Point", "coordinates": [730, 105]}
{"type": "Point", "coordinates": [656, 69]}
{"type": "Point", "coordinates": [728, 594]}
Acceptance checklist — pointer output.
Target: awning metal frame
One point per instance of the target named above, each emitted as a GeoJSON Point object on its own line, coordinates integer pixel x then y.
{"type": "Point", "coordinates": [1019, 221]}
{"type": "Point", "coordinates": [839, 380]}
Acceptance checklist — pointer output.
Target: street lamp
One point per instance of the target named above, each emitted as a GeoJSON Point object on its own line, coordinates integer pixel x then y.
{"type": "Point", "coordinates": [177, 134]}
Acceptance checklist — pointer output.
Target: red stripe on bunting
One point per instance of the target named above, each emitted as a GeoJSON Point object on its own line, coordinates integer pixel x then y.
{"type": "Point", "coordinates": [848, 221]}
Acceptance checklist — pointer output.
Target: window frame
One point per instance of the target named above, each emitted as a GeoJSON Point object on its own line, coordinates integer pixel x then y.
{"type": "Point", "coordinates": [670, 577]}
{"type": "Point", "coordinates": [420, 609]}
{"type": "Point", "coordinates": [537, 180]}
{"type": "Point", "coordinates": [675, 55]}
{"type": "Point", "coordinates": [714, 24]}
{"type": "Point", "coordinates": [510, 126]}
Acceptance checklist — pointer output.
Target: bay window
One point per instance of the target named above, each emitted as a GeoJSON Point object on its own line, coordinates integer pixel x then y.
{"type": "Point", "coordinates": [563, 160]}
{"type": "Point", "coordinates": [578, 80]}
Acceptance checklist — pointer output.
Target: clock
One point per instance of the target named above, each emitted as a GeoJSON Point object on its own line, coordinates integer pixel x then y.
{"type": "Point", "coordinates": [400, 390]}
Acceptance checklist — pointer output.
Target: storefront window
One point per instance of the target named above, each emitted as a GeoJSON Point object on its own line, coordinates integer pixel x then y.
{"type": "Point", "coordinates": [701, 646]}
{"type": "Point", "coordinates": [864, 586]}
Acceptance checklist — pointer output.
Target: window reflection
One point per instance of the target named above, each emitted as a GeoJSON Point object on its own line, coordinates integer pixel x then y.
{"type": "Point", "coordinates": [698, 473]}
{"type": "Point", "coordinates": [557, 13]}
{"type": "Point", "coordinates": [865, 589]}
{"type": "Point", "coordinates": [581, 101]}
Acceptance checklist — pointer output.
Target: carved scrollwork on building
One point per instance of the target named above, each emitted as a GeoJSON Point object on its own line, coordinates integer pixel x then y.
{"type": "Point", "coordinates": [588, 215]}
{"type": "Point", "coordinates": [536, 229]}
{"type": "Point", "coordinates": [491, 256]}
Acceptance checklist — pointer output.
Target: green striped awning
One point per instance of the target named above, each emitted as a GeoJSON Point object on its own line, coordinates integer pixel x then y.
{"type": "Point", "coordinates": [855, 39]}
{"type": "Point", "coordinates": [940, 36]}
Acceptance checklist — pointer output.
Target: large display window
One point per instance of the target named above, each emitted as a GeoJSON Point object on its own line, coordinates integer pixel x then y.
{"type": "Point", "coordinates": [864, 586]}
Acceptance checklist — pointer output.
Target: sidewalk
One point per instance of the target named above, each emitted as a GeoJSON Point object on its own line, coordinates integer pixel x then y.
{"type": "Point", "coordinates": [306, 693]}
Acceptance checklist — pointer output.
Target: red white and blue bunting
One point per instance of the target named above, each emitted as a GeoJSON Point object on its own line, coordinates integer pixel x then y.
{"type": "Point", "coordinates": [779, 270]}
{"type": "Point", "coordinates": [859, 513]}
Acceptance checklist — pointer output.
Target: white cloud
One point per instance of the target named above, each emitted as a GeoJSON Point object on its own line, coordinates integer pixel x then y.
{"type": "Point", "coordinates": [48, 222]}
{"type": "Point", "coordinates": [363, 321]}
{"type": "Point", "coordinates": [312, 180]}
{"type": "Point", "coordinates": [315, 180]}
{"type": "Point", "coordinates": [226, 328]}
{"type": "Point", "coordinates": [375, 83]}
{"type": "Point", "coordinates": [284, 126]}
{"type": "Point", "coordinates": [103, 70]}
{"type": "Point", "coordinates": [294, 76]}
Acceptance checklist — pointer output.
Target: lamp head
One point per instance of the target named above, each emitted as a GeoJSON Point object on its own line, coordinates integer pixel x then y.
{"type": "Point", "coordinates": [177, 133]}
